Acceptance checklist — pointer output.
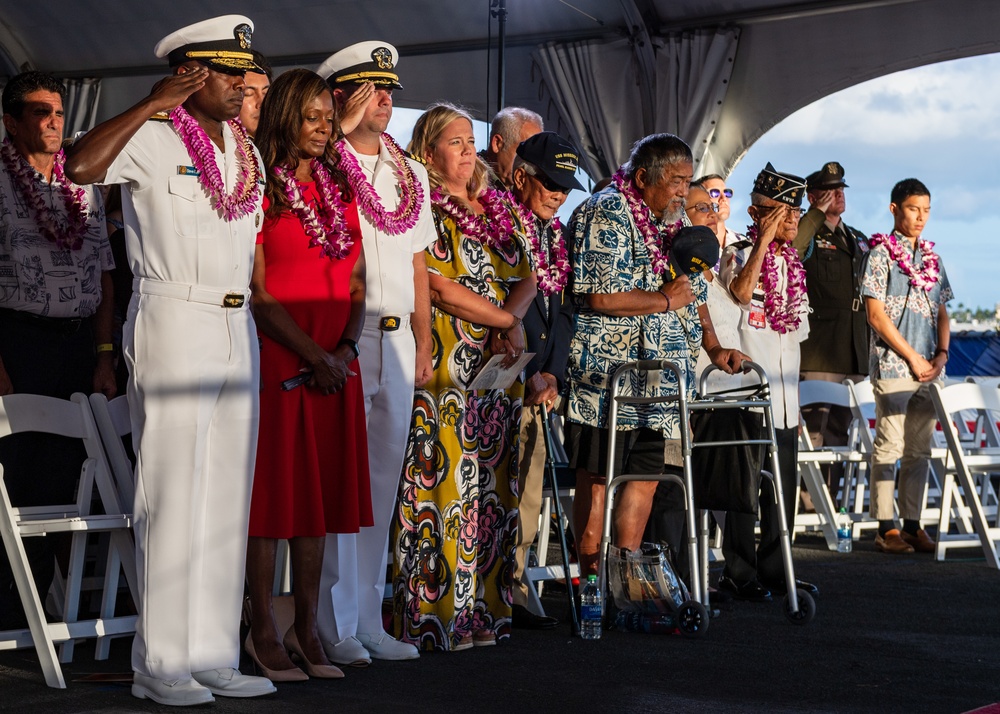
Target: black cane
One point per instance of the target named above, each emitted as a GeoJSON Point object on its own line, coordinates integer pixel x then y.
{"type": "Point", "coordinates": [550, 469]}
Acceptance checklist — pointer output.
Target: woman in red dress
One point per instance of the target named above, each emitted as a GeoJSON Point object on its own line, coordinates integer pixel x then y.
{"type": "Point", "coordinates": [308, 301]}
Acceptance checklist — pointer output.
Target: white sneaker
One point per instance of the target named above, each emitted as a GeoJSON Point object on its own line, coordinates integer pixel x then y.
{"type": "Point", "coordinates": [228, 682]}
{"type": "Point", "coordinates": [348, 652]}
{"type": "Point", "coordinates": [381, 646]}
{"type": "Point", "coordinates": [173, 693]}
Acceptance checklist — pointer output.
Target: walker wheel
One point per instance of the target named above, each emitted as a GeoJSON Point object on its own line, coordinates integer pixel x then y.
{"type": "Point", "coordinates": [692, 619]}
{"type": "Point", "coordinates": [807, 608]}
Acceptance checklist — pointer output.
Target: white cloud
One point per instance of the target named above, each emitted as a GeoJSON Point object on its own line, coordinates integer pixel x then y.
{"type": "Point", "coordinates": [936, 102]}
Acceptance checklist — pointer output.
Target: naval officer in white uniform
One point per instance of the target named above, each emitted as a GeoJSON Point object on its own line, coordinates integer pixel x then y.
{"type": "Point", "coordinates": [395, 348]}
{"type": "Point", "coordinates": [192, 209]}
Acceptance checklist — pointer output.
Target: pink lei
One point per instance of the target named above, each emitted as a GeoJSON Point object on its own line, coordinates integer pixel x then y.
{"type": "Point", "coordinates": [783, 310]}
{"type": "Point", "coordinates": [245, 195]}
{"type": "Point", "coordinates": [494, 227]}
{"type": "Point", "coordinates": [657, 241]}
{"type": "Point", "coordinates": [930, 271]}
{"type": "Point", "coordinates": [411, 194]}
{"type": "Point", "coordinates": [68, 234]}
{"type": "Point", "coordinates": [327, 230]}
{"type": "Point", "coordinates": [552, 276]}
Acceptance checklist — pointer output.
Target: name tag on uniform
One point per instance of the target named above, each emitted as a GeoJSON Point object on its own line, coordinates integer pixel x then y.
{"type": "Point", "coordinates": [188, 171]}
{"type": "Point", "coordinates": [825, 244]}
{"type": "Point", "coordinates": [756, 318]}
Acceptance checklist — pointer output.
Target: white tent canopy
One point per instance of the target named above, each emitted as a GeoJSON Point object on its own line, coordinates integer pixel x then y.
{"type": "Point", "coordinates": [719, 73]}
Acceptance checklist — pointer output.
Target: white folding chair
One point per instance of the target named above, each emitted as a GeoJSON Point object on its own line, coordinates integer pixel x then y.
{"type": "Point", "coordinates": [113, 425]}
{"type": "Point", "coordinates": [968, 468]}
{"type": "Point", "coordinates": [810, 458]}
{"type": "Point", "coordinates": [32, 413]}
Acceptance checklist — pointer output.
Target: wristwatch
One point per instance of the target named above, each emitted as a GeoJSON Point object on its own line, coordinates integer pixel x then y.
{"type": "Point", "coordinates": [352, 344]}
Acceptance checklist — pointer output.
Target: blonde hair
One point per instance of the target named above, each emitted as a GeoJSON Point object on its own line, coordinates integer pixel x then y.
{"type": "Point", "coordinates": [428, 130]}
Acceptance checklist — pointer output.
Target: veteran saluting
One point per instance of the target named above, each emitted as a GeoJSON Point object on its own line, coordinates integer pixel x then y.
{"type": "Point", "coordinates": [192, 209]}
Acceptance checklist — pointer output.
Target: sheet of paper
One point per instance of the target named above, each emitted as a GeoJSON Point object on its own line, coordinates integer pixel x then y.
{"type": "Point", "coordinates": [493, 376]}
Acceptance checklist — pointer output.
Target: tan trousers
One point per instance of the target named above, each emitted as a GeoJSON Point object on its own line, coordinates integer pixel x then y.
{"type": "Point", "coordinates": [530, 480]}
{"type": "Point", "coordinates": [904, 424]}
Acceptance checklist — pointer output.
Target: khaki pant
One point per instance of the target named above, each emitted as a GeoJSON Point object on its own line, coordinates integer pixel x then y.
{"type": "Point", "coordinates": [904, 424]}
{"type": "Point", "coordinates": [531, 477]}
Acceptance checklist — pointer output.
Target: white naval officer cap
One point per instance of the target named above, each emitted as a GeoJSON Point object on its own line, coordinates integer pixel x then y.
{"type": "Point", "coordinates": [371, 61]}
{"type": "Point", "coordinates": [222, 43]}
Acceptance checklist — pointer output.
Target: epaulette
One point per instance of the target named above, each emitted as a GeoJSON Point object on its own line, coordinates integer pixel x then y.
{"type": "Point", "coordinates": [160, 116]}
{"type": "Point", "coordinates": [740, 245]}
{"type": "Point", "coordinates": [414, 157]}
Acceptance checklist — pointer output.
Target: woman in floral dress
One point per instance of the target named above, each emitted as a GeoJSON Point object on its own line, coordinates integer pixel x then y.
{"type": "Point", "coordinates": [455, 533]}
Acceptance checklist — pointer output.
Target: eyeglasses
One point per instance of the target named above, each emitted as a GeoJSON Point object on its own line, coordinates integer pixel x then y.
{"type": "Point", "coordinates": [703, 207]}
{"type": "Point", "coordinates": [548, 184]}
{"type": "Point", "coordinates": [717, 192]}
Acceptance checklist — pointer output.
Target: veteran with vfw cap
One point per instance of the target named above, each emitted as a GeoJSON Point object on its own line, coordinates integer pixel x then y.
{"type": "Point", "coordinates": [192, 189]}
{"type": "Point", "coordinates": [764, 276]}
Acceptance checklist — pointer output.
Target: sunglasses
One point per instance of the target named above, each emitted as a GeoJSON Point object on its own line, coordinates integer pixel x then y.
{"type": "Point", "coordinates": [704, 207]}
{"type": "Point", "coordinates": [548, 184]}
{"type": "Point", "coordinates": [717, 192]}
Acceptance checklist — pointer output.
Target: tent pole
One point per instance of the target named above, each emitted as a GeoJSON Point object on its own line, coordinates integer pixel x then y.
{"type": "Point", "coordinates": [501, 14]}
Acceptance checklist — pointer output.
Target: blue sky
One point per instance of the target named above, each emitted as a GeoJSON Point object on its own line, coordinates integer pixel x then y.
{"type": "Point", "coordinates": [939, 123]}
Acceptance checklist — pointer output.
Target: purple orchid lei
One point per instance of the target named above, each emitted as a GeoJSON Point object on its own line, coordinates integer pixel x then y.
{"type": "Point", "coordinates": [494, 227]}
{"type": "Point", "coordinates": [552, 276]}
{"type": "Point", "coordinates": [930, 271]}
{"type": "Point", "coordinates": [246, 193]}
{"type": "Point", "coordinates": [24, 178]}
{"type": "Point", "coordinates": [411, 194]}
{"type": "Point", "coordinates": [657, 241]}
{"type": "Point", "coordinates": [782, 310]}
{"type": "Point", "coordinates": [327, 230]}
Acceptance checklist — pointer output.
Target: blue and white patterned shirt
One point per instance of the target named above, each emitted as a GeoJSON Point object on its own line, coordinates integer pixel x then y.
{"type": "Point", "coordinates": [610, 256]}
{"type": "Point", "coordinates": [912, 310]}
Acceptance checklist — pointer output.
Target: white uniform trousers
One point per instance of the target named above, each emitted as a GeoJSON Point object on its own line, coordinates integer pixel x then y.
{"type": "Point", "coordinates": [354, 565]}
{"type": "Point", "coordinates": [193, 393]}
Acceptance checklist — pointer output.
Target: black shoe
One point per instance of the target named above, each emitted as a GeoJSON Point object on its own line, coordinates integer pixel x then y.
{"type": "Point", "coordinates": [717, 597]}
{"type": "Point", "coordinates": [524, 619]}
{"type": "Point", "coordinates": [779, 587]}
{"type": "Point", "coordinates": [749, 590]}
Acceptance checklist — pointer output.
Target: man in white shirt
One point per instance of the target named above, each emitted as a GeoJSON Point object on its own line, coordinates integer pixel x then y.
{"type": "Point", "coordinates": [395, 349]}
{"type": "Point", "coordinates": [192, 205]}
{"type": "Point", "coordinates": [766, 278]}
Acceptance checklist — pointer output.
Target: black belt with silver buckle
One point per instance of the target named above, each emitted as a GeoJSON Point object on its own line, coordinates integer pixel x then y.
{"type": "Point", "coordinates": [390, 323]}
{"type": "Point", "coordinates": [233, 300]}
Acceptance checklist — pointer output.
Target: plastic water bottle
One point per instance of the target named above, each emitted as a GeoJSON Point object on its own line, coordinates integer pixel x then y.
{"type": "Point", "coordinates": [658, 624]}
{"type": "Point", "coordinates": [591, 610]}
{"type": "Point", "coordinates": [844, 527]}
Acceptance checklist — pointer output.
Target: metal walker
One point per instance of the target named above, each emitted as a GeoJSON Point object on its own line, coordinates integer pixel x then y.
{"type": "Point", "coordinates": [692, 618]}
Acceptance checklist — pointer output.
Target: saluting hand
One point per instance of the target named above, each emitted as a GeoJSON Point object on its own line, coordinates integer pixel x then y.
{"type": "Point", "coordinates": [172, 91]}
{"type": "Point", "coordinates": [354, 109]}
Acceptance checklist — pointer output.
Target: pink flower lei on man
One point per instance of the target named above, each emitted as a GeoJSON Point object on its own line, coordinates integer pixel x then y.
{"type": "Point", "coordinates": [68, 234]}
{"type": "Point", "coordinates": [657, 241]}
{"type": "Point", "coordinates": [411, 193]}
{"type": "Point", "coordinates": [552, 276]}
{"type": "Point", "coordinates": [243, 199]}
{"type": "Point", "coordinates": [783, 310]}
{"type": "Point", "coordinates": [930, 270]}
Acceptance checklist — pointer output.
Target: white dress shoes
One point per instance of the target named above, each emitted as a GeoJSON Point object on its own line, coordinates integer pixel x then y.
{"type": "Point", "coordinates": [381, 646]}
{"type": "Point", "coordinates": [172, 693]}
{"type": "Point", "coordinates": [348, 652]}
{"type": "Point", "coordinates": [228, 682]}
